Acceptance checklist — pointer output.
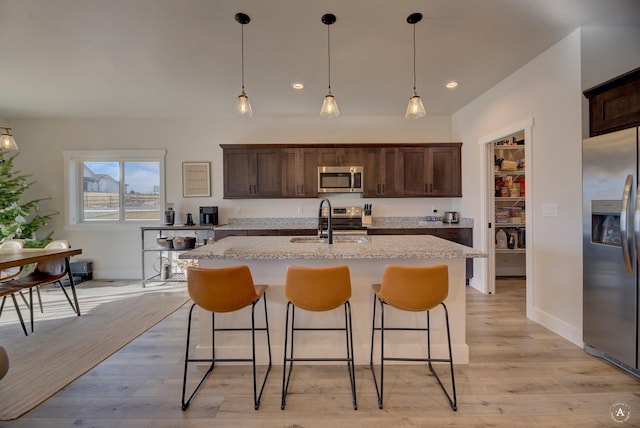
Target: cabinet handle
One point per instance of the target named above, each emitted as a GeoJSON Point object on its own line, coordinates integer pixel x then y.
{"type": "Point", "coordinates": [384, 188]}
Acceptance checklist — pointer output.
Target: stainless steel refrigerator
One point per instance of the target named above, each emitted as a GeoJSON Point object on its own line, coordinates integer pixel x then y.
{"type": "Point", "coordinates": [611, 247]}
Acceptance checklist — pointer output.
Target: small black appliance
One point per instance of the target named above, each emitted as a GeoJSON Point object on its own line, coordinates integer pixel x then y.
{"type": "Point", "coordinates": [208, 216]}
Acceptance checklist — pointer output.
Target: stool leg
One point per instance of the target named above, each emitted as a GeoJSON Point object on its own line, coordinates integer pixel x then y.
{"type": "Point", "coordinates": [452, 399]}
{"type": "Point", "coordinates": [286, 376]}
{"type": "Point", "coordinates": [185, 403]}
{"type": "Point", "coordinates": [379, 387]}
{"type": "Point", "coordinates": [257, 397]}
{"type": "Point", "coordinates": [350, 363]}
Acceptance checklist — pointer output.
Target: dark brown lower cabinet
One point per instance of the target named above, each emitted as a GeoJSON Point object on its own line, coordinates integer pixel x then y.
{"type": "Point", "coordinates": [220, 234]}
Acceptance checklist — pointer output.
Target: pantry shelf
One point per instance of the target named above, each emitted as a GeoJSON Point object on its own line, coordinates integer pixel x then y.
{"type": "Point", "coordinates": [509, 205]}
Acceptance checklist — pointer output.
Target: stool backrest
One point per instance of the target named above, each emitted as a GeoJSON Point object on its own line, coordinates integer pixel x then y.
{"type": "Point", "coordinates": [224, 289]}
{"type": "Point", "coordinates": [318, 288]}
{"type": "Point", "coordinates": [415, 288]}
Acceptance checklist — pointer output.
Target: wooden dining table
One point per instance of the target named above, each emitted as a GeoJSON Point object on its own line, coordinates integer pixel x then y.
{"type": "Point", "coordinates": [20, 257]}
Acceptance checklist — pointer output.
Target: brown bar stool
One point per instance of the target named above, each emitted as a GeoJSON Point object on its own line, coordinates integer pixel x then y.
{"type": "Point", "coordinates": [317, 289]}
{"type": "Point", "coordinates": [223, 290]}
{"type": "Point", "coordinates": [415, 289]}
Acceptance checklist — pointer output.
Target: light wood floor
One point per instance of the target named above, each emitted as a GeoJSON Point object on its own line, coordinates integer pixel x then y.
{"type": "Point", "coordinates": [520, 374]}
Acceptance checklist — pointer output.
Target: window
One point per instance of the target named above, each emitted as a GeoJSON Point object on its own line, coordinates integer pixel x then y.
{"type": "Point", "coordinates": [114, 186]}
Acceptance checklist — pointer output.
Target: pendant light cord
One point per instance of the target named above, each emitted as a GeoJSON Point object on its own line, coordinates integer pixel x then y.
{"type": "Point", "coordinates": [329, 53]}
{"type": "Point", "coordinates": [414, 57]}
{"type": "Point", "coordinates": [242, 50]}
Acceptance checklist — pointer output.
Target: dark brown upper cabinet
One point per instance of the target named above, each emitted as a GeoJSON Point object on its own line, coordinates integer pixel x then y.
{"type": "Point", "coordinates": [299, 172]}
{"type": "Point", "coordinates": [379, 172]}
{"type": "Point", "coordinates": [252, 173]}
{"type": "Point", "coordinates": [615, 104]}
{"type": "Point", "coordinates": [340, 156]}
{"type": "Point", "coordinates": [444, 175]}
{"type": "Point", "coordinates": [429, 171]}
{"type": "Point", "coordinates": [391, 170]}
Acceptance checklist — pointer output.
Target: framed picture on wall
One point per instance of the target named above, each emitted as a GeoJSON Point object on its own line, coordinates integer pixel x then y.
{"type": "Point", "coordinates": [196, 179]}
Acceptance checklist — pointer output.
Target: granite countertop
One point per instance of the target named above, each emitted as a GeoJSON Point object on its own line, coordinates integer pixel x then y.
{"type": "Point", "coordinates": [312, 223]}
{"type": "Point", "coordinates": [376, 247]}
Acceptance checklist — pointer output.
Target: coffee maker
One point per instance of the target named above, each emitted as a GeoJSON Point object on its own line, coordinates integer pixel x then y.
{"type": "Point", "coordinates": [208, 216]}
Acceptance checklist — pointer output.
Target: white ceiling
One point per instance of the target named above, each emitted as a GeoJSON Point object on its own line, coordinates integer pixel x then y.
{"type": "Point", "coordinates": [181, 58]}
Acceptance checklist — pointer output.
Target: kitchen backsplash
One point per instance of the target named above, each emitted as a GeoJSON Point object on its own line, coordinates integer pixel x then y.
{"type": "Point", "coordinates": [312, 222]}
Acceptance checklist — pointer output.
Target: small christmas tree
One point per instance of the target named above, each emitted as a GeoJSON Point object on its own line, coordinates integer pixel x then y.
{"type": "Point", "coordinates": [19, 220]}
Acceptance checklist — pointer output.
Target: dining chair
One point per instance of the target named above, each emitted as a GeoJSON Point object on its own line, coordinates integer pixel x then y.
{"type": "Point", "coordinates": [7, 289]}
{"type": "Point", "coordinates": [7, 276]}
{"type": "Point", "coordinates": [414, 289]}
{"type": "Point", "coordinates": [317, 289]}
{"type": "Point", "coordinates": [13, 272]}
{"type": "Point", "coordinates": [49, 272]}
{"type": "Point", "coordinates": [221, 291]}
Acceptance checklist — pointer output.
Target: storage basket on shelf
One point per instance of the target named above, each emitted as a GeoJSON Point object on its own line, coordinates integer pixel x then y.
{"type": "Point", "coordinates": [165, 242]}
{"type": "Point", "coordinates": [184, 242]}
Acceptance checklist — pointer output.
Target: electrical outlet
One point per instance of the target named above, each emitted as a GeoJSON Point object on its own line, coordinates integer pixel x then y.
{"type": "Point", "coordinates": [238, 211]}
{"type": "Point", "coordinates": [300, 210]}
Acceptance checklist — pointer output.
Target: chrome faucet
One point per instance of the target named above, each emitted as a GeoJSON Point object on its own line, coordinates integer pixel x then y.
{"type": "Point", "coordinates": [329, 230]}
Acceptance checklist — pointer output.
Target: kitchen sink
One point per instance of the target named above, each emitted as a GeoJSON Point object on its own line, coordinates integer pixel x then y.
{"type": "Point", "coordinates": [342, 239]}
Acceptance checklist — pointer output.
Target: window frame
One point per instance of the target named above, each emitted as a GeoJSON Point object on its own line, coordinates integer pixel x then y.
{"type": "Point", "coordinates": [73, 162]}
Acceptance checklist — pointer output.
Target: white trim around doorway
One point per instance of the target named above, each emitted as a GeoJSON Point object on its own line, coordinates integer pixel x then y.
{"type": "Point", "coordinates": [486, 237]}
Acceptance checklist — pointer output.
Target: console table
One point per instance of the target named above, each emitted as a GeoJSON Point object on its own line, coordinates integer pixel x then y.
{"type": "Point", "coordinates": [153, 254]}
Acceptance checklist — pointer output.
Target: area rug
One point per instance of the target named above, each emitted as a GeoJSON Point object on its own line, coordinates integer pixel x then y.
{"type": "Point", "coordinates": [45, 362]}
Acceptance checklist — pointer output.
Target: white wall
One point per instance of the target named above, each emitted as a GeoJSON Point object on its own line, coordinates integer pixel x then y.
{"type": "Point", "coordinates": [548, 90]}
{"type": "Point", "coordinates": [115, 252]}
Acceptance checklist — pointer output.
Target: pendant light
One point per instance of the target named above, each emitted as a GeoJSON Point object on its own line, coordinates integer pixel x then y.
{"type": "Point", "coordinates": [243, 108]}
{"type": "Point", "coordinates": [415, 109]}
{"type": "Point", "coordinates": [7, 143]}
{"type": "Point", "coordinates": [329, 106]}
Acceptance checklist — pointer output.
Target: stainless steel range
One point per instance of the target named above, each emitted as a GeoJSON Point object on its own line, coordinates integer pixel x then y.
{"type": "Point", "coordinates": [344, 220]}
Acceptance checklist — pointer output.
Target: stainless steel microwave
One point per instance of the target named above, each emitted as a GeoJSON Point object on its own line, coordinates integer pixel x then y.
{"type": "Point", "coordinates": [340, 179]}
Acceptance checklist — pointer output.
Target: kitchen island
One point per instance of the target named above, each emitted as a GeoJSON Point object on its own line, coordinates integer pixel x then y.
{"type": "Point", "coordinates": [366, 256]}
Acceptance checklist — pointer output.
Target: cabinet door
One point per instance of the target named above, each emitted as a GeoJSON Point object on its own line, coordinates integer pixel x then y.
{"type": "Point", "coordinates": [237, 173]}
{"type": "Point", "coordinates": [379, 172]}
{"type": "Point", "coordinates": [444, 178]}
{"type": "Point", "coordinates": [614, 105]}
{"type": "Point", "coordinates": [347, 156]}
{"type": "Point", "coordinates": [300, 172]}
{"type": "Point", "coordinates": [267, 166]}
{"type": "Point", "coordinates": [250, 173]}
{"type": "Point", "coordinates": [411, 171]}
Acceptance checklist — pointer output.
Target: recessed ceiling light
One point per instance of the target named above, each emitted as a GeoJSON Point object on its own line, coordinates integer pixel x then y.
{"type": "Point", "coordinates": [452, 84]}
{"type": "Point", "coordinates": [297, 85]}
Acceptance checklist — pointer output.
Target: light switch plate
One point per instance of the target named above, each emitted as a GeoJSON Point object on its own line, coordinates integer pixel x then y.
{"type": "Point", "coordinates": [549, 210]}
